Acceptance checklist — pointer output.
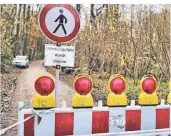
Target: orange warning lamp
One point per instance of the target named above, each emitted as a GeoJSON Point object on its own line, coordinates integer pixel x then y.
{"type": "Point", "coordinates": [117, 85]}
{"type": "Point", "coordinates": [148, 94]}
{"type": "Point", "coordinates": [169, 95]}
{"type": "Point", "coordinates": [44, 86]}
{"type": "Point", "coordinates": [83, 85]}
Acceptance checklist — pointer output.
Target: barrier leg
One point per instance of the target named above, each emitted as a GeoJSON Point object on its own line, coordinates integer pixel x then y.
{"type": "Point", "coordinates": [20, 118]}
{"type": "Point", "coordinates": [35, 124]}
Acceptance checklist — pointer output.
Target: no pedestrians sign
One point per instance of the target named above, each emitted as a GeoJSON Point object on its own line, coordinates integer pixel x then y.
{"type": "Point", "coordinates": [59, 22]}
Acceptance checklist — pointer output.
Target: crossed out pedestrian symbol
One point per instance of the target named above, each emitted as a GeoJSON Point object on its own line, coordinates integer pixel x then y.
{"type": "Point", "coordinates": [61, 19]}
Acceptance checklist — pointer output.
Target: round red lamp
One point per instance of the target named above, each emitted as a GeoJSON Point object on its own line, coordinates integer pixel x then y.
{"type": "Point", "coordinates": [149, 85]}
{"type": "Point", "coordinates": [83, 85]}
{"type": "Point", "coordinates": [44, 85]}
{"type": "Point", "coordinates": [117, 85]}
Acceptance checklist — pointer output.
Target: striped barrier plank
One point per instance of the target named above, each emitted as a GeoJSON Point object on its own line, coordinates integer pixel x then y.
{"type": "Point", "coordinates": [96, 120]}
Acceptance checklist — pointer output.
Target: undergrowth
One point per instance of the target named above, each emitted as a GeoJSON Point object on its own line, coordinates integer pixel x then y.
{"type": "Point", "coordinates": [100, 87]}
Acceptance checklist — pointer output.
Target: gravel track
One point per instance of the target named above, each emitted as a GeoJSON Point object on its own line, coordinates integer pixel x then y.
{"type": "Point", "coordinates": [24, 91]}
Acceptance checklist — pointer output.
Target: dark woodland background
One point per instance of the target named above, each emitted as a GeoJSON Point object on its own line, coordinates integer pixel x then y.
{"type": "Point", "coordinates": [132, 40]}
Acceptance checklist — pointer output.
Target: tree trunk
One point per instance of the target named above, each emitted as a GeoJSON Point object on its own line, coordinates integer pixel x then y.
{"type": "Point", "coordinates": [92, 17]}
{"type": "Point", "coordinates": [27, 28]}
{"type": "Point", "coordinates": [24, 16]}
{"type": "Point", "coordinates": [78, 7]}
{"type": "Point", "coordinates": [18, 22]}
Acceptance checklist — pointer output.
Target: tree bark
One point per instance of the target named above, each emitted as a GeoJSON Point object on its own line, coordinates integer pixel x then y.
{"type": "Point", "coordinates": [78, 7]}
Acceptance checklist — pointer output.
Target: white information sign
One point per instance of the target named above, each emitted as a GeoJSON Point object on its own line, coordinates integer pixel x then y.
{"type": "Point", "coordinates": [59, 55]}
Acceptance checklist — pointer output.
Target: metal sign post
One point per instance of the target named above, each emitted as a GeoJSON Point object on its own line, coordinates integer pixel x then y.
{"type": "Point", "coordinates": [57, 82]}
{"type": "Point", "coordinates": [57, 85]}
{"type": "Point", "coordinates": [59, 23]}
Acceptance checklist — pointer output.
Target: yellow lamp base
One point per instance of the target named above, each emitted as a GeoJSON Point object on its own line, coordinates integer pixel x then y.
{"type": "Point", "coordinates": [82, 101]}
{"type": "Point", "coordinates": [43, 102]}
{"type": "Point", "coordinates": [148, 99]}
{"type": "Point", "coordinates": [169, 98]}
{"type": "Point", "coordinates": [114, 100]}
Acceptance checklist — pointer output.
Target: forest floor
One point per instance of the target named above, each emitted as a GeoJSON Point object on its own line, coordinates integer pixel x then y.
{"type": "Point", "coordinates": [24, 91]}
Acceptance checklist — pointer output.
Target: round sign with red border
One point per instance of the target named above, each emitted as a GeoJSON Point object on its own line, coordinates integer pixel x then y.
{"type": "Point", "coordinates": [59, 22]}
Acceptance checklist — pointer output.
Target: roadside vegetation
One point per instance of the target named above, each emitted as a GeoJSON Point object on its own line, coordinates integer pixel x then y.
{"type": "Point", "coordinates": [132, 40]}
{"type": "Point", "coordinates": [100, 87]}
{"type": "Point", "coordinates": [20, 33]}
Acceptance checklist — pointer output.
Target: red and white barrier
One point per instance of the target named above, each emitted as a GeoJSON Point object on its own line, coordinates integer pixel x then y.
{"type": "Point", "coordinates": [96, 120]}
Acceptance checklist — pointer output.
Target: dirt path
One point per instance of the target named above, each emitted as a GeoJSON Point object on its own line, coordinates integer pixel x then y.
{"type": "Point", "coordinates": [25, 91]}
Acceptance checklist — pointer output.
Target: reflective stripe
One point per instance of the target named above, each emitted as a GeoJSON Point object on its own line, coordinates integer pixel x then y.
{"type": "Point", "coordinates": [148, 118]}
{"type": "Point", "coordinates": [83, 122]}
{"type": "Point", "coordinates": [46, 126]}
{"type": "Point", "coordinates": [116, 120]}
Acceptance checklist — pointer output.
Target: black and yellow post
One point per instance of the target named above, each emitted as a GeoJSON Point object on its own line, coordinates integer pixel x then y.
{"type": "Point", "coordinates": [117, 97]}
{"type": "Point", "coordinates": [169, 95]}
{"type": "Point", "coordinates": [82, 98]}
{"type": "Point", "coordinates": [44, 86]}
{"type": "Point", "coordinates": [148, 96]}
